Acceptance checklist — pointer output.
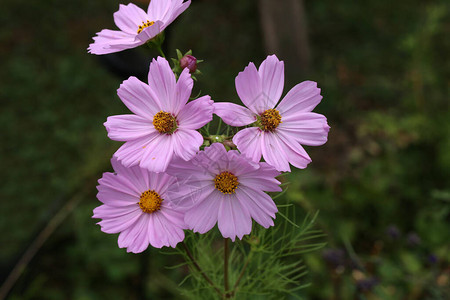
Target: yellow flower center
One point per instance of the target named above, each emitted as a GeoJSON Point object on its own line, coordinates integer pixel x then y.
{"type": "Point", "coordinates": [150, 201]}
{"type": "Point", "coordinates": [226, 182]}
{"type": "Point", "coordinates": [145, 25]}
{"type": "Point", "coordinates": [270, 119]}
{"type": "Point", "coordinates": [165, 122]}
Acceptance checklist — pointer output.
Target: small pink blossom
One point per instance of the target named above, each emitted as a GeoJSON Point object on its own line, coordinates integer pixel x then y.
{"type": "Point", "coordinates": [136, 204]}
{"type": "Point", "coordinates": [163, 126]}
{"type": "Point", "coordinates": [223, 187]}
{"type": "Point", "coordinates": [137, 26]}
{"type": "Point", "coordinates": [278, 132]}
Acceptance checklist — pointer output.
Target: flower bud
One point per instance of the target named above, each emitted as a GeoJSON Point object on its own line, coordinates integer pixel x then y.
{"type": "Point", "coordinates": [190, 62]}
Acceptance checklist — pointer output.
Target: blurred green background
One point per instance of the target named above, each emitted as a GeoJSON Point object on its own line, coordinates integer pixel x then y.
{"type": "Point", "coordinates": [381, 182]}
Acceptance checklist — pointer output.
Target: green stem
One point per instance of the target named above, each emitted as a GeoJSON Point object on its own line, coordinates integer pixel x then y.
{"type": "Point", "coordinates": [194, 262]}
{"type": "Point", "coordinates": [249, 257]}
{"type": "Point", "coordinates": [161, 52]}
{"type": "Point", "coordinates": [219, 127]}
{"type": "Point", "coordinates": [225, 268]}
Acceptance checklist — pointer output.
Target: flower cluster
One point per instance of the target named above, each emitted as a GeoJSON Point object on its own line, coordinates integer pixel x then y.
{"type": "Point", "coordinates": [168, 177]}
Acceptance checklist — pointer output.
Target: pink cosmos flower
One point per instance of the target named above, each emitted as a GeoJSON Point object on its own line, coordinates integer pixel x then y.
{"type": "Point", "coordinates": [163, 125]}
{"type": "Point", "coordinates": [136, 205]}
{"type": "Point", "coordinates": [225, 188]}
{"type": "Point", "coordinates": [277, 132]}
{"type": "Point", "coordinates": [137, 26]}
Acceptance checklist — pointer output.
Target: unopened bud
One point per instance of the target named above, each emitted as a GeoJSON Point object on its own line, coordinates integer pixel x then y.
{"type": "Point", "coordinates": [190, 62]}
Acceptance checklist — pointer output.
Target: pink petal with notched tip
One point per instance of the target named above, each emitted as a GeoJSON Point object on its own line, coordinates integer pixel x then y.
{"type": "Point", "coordinates": [139, 98]}
{"type": "Point", "coordinates": [110, 41]}
{"type": "Point", "coordinates": [128, 127]}
{"type": "Point", "coordinates": [273, 152]}
{"type": "Point", "coordinates": [233, 219]}
{"type": "Point", "coordinates": [203, 216]}
{"type": "Point", "coordinates": [306, 128]}
{"type": "Point", "coordinates": [116, 225]}
{"type": "Point", "coordinates": [233, 114]}
{"type": "Point", "coordinates": [130, 153]}
{"type": "Point", "coordinates": [249, 89]}
{"type": "Point", "coordinates": [294, 152]}
{"type": "Point", "coordinates": [196, 113]}
{"type": "Point", "coordinates": [271, 73]}
{"type": "Point", "coordinates": [162, 81]}
{"type": "Point", "coordinates": [303, 97]}
{"type": "Point", "coordinates": [158, 154]}
{"type": "Point", "coordinates": [186, 143]}
{"type": "Point", "coordinates": [129, 17]}
{"type": "Point", "coordinates": [248, 141]}
{"type": "Point", "coordinates": [177, 8]}
{"type": "Point", "coordinates": [260, 206]}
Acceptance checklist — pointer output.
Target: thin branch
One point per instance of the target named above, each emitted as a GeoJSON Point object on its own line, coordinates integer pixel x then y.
{"type": "Point", "coordinates": [241, 275]}
{"type": "Point", "coordinates": [225, 268]}
{"type": "Point", "coordinates": [194, 262]}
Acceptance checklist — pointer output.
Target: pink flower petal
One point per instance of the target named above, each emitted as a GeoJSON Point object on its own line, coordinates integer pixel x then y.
{"type": "Point", "coordinates": [170, 235]}
{"type": "Point", "coordinates": [172, 215]}
{"type": "Point", "coordinates": [233, 114]}
{"type": "Point", "coordinates": [142, 240]}
{"type": "Point", "coordinates": [196, 114]}
{"type": "Point", "coordinates": [186, 143]}
{"type": "Point", "coordinates": [294, 152]}
{"type": "Point", "coordinates": [249, 89]}
{"type": "Point", "coordinates": [176, 10]}
{"type": "Point", "coordinates": [110, 41]}
{"type": "Point", "coordinates": [204, 216]}
{"type": "Point", "coordinates": [116, 225]}
{"type": "Point", "coordinates": [233, 219]}
{"type": "Point", "coordinates": [273, 152]}
{"type": "Point", "coordinates": [249, 142]}
{"type": "Point", "coordinates": [158, 154]}
{"type": "Point", "coordinates": [306, 128]}
{"type": "Point", "coordinates": [114, 197]}
{"type": "Point", "coordinates": [190, 193]}
{"type": "Point", "coordinates": [162, 81]}
{"type": "Point", "coordinates": [183, 91]}
{"type": "Point", "coordinates": [159, 9]}
{"type": "Point", "coordinates": [116, 183]}
{"type": "Point", "coordinates": [131, 153]}
{"type": "Point", "coordinates": [159, 182]}
{"type": "Point", "coordinates": [188, 170]}
{"type": "Point", "coordinates": [135, 177]}
{"type": "Point", "coordinates": [135, 236]}
{"type": "Point", "coordinates": [271, 73]}
{"type": "Point", "coordinates": [301, 98]}
{"type": "Point", "coordinates": [236, 166]}
{"type": "Point", "coordinates": [150, 32]}
{"type": "Point", "coordinates": [212, 159]}
{"type": "Point", "coordinates": [265, 183]}
{"type": "Point", "coordinates": [113, 212]}
{"type": "Point", "coordinates": [129, 17]}
{"type": "Point", "coordinates": [128, 127]}
{"type": "Point", "coordinates": [139, 98]}
{"type": "Point", "coordinates": [260, 206]}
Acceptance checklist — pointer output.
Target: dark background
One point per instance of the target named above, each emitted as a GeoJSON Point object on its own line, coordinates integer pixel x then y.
{"type": "Point", "coordinates": [381, 182]}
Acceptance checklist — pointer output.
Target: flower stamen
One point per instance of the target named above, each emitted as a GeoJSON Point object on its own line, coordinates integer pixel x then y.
{"type": "Point", "coordinates": [150, 201]}
{"type": "Point", "coordinates": [226, 182]}
{"type": "Point", "coordinates": [145, 25]}
{"type": "Point", "coordinates": [270, 119]}
{"type": "Point", "coordinates": [165, 122]}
